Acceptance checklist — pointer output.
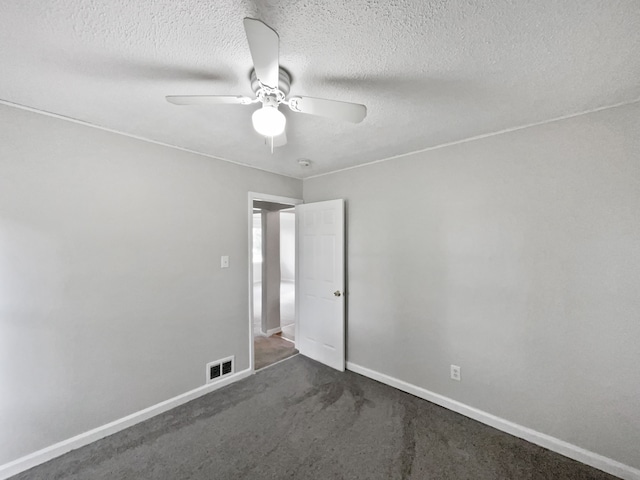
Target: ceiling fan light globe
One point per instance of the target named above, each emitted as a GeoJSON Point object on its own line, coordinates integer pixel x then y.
{"type": "Point", "coordinates": [269, 121]}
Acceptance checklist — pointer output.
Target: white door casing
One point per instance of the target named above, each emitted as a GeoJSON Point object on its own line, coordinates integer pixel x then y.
{"type": "Point", "coordinates": [320, 312]}
{"type": "Point", "coordinates": [254, 196]}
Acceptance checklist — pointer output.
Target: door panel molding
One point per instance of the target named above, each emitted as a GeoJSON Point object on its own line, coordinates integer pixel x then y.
{"type": "Point", "coordinates": [320, 273]}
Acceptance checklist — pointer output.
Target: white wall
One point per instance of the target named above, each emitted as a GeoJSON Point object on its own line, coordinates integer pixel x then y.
{"type": "Point", "coordinates": [111, 294]}
{"type": "Point", "coordinates": [257, 247]}
{"type": "Point", "coordinates": [516, 257]}
{"type": "Point", "coordinates": [288, 246]}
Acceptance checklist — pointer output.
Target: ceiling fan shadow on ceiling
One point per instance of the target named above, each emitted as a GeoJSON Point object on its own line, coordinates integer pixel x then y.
{"type": "Point", "coordinates": [271, 84]}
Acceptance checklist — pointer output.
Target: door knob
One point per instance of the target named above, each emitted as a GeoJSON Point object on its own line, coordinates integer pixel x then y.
{"type": "Point", "coordinates": [337, 293]}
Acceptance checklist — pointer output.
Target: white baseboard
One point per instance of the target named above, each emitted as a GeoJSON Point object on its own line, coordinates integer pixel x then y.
{"type": "Point", "coordinates": [36, 458]}
{"type": "Point", "coordinates": [273, 331]}
{"type": "Point", "coordinates": [595, 460]}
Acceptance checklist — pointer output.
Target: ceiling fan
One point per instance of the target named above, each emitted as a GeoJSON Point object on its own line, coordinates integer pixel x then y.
{"type": "Point", "coordinates": [271, 85]}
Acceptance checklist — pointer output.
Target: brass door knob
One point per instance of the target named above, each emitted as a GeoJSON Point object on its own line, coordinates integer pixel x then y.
{"type": "Point", "coordinates": [337, 293]}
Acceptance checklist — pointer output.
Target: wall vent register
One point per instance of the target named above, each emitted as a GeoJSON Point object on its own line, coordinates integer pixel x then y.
{"type": "Point", "coordinates": [219, 369]}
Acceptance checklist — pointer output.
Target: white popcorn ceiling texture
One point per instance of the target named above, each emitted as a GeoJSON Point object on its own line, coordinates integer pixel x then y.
{"type": "Point", "coordinates": [430, 72]}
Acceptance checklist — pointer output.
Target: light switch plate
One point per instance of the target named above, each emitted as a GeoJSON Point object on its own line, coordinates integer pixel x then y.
{"type": "Point", "coordinates": [224, 261]}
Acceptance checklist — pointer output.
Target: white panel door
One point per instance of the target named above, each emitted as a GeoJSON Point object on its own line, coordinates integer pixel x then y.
{"type": "Point", "coordinates": [320, 281]}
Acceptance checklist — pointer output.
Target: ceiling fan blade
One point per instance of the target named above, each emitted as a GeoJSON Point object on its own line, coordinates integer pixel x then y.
{"type": "Point", "coordinates": [264, 47]}
{"type": "Point", "coordinates": [351, 112]}
{"type": "Point", "coordinates": [208, 100]}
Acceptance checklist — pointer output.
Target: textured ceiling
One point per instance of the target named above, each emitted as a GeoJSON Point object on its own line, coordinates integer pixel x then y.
{"type": "Point", "coordinates": [430, 72]}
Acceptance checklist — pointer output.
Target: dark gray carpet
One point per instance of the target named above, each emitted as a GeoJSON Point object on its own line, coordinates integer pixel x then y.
{"type": "Point", "coordinates": [269, 350]}
{"type": "Point", "coordinates": [301, 420]}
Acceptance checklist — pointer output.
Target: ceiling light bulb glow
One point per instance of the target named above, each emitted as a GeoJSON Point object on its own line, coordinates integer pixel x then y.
{"type": "Point", "coordinates": [269, 121]}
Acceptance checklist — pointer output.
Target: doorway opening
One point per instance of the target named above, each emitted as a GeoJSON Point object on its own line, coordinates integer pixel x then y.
{"type": "Point", "coordinates": [272, 279]}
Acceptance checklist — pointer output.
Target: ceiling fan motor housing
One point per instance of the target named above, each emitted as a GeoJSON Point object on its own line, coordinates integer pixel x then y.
{"type": "Point", "coordinates": [270, 100]}
{"type": "Point", "coordinates": [284, 85]}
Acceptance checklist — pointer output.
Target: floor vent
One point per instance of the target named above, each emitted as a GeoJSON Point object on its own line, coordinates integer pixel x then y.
{"type": "Point", "coordinates": [219, 369]}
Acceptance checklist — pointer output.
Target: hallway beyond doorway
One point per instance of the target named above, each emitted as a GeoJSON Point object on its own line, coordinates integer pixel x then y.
{"type": "Point", "coordinates": [270, 350]}
{"type": "Point", "coordinates": [287, 310]}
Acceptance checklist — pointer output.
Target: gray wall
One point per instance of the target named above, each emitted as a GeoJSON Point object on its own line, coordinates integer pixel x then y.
{"type": "Point", "coordinates": [270, 270]}
{"type": "Point", "coordinates": [111, 294]}
{"type": "Point", "coordinates": [516, 257]}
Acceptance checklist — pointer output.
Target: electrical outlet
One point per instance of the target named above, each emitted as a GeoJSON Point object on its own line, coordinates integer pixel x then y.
{"type": "Point", "coordinates": [455, 372]}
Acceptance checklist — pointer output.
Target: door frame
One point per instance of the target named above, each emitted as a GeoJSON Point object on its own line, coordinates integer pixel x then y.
{"type": "Point", "coordinates": [267, 198]}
